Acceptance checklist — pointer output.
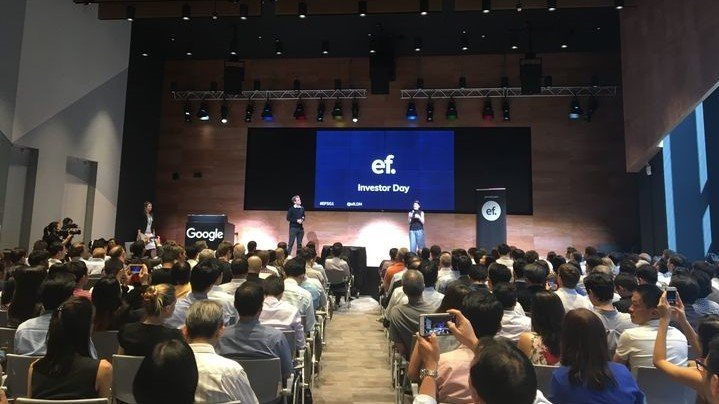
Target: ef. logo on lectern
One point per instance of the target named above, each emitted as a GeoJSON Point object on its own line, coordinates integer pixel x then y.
{"type": "Point", "coordinates": [491, 210]}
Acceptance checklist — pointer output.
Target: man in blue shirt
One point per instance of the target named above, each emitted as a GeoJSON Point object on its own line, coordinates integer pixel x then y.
{"type": "Point", "coordinates": [250, 339]}
{"type": "Point", "coordinates": [31, 335]}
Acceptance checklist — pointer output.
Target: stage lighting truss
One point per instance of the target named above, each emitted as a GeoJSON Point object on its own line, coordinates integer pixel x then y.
{"type": "Point", "coordinates": [510, 92]}
{"type": "Point", "coordinates": [192, 95]}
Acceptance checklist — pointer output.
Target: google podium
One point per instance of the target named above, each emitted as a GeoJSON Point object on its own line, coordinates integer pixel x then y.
{"type": "Point", "coordinates": [211, 228]}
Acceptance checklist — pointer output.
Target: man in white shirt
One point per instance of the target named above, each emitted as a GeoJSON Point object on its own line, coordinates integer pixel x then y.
{"type": "Point", "coordinates": [239, 267]}
{"type": "Point", "coordinates": [445, 273]}
{"type": "Point", "coordinates": [429, 295]}
{"type": "Point", "coordinates": [296, 295]}
{"type": "Point", "coordinates": [278, 314]}
{"type": "Point", "coordinates": [266, 269]}
{"type": "Point", "coordinates": [57, 253]}
{"type": "Point", "coordinates": [567, 282]}
{"type": "Point", "coordinates": [513, 323]}
{"type": "Point", "coordinates": [220, 379]}
{"type": "Point", "coordinates": [600, 290]}
{"type": "Point", "coordinates": [636, 345]}
{"type": "Point", "coordinates": [96, 264]}
{"type": "Point", "coordinates": [504, 258]}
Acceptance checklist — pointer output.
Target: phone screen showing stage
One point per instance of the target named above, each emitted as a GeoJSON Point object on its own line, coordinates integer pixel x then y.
{"type": "Point", "coordinates": [436, 325]}
{"type": "Point", "coordinates": [384, 169]}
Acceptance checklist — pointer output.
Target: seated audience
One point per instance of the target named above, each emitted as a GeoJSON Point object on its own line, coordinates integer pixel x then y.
{"type": "Point", "coordinates": [25, 303]}
{"type": "Point", "coordinates": [542, 344]}
{"type": "Point", "coordinates": [703, 306]}
{"type": "Point", "coordinates": [382, 269]}
{"type": "Point", "coordinates": [167, 375]}
{"type": "Point", "coordinates": [254, 265]}
{"type": "Point", "coordinates": [79, 270]}
{"type": "Point", "coordinates": [404, 318]}
{"type": "Point", "coordinates": [180, 276]}
{"type": "Point", "coordinates": [220, 379]}
{"type": "Point", "coordinates": [239, 268]}
{"type": "Point", "coordinates": [202, 279]}
{"type": "Point", "coordinates": [567, 281]}
{"type": "Point", "coordinates": [600, 290]}
{"type": "Point", "coordinates": [67, 371]}
{"type": "Point", "coordinates": [96, 263]}
{"type": "Point", "coordinates": [430, 295]}
{"type": "Point", "coordinates": [278, 314]}
{"type": "Point", "coordinates": [111, 313]}
{"type": "Point", "coordinates": [636, 345]}
{"type": "Point", "coordinates": [445, 273]}
{"type": "Point", "coordinates": [57, 253]}
{"type": "Point", "coordinates": [296, 295]}
{"type": "Point", "coordinates": [266, 270]}
{"type": "Point", "coordinates": [536, 282]}
{"type": "Point", "coordinates": [396, 267]}
{"type": "Point", "coordinates": [520, 281]}
{"type": "Point", "coordinates": [170, 255]}
{"type": "Point", "coordinates": [513, 323]}
{"type": "Point", "coordinates": [250, 339]}
{"type": "Point", "coordinates": [498, 273]}
{"type": "Point", "coordinates": [223, 254]}
{"type": "Point", "coordinates": [31, 335]}
{"type": "Point", "coordinates": [586, 374]}
{"type": "Point", "coordinates": [140, 338]}
{"type": "Point", "coordinates": [504, 259]}
{"type": "Point", "coordinates": [624, 285]}
{"type": "Point", "coordinates": [312, 267]}
{"type": "Point", "coordinates": [646, 275]}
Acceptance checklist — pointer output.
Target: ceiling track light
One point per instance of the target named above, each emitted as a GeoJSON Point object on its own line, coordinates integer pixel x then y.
{"type": "Point", "coordinates": [249, 111]}
{"type": "Point", "coordinates": [186, 12]}
{"type": "Point", "coordinates": [519, 7]}
{"type": "Point", "coordinates": [224, 113]}
{"type": "Point", "coordinates": [429, 110]}
{"type": "Point", "coordinates": [486, 6]}
{"type": "Point", "coordinates": [337, 110]}
{"type": "Point", "coordinates": [451, 113]}
{"type": "Point", "coordinates": [355, 110]}
{"type": "Point", "coordinates": [575, 110]}
{"type": "Point", "coordinates": [299, 113]}
{"type": "Point", "coordinates": [618, 4]}
{"type": "Point", "coordinates": [267, 112]}
{"type": "Point", "coordinates": [505, 110]}
{"type": "Point", "coordinates": [321, 110]}
{"type": "Point", "coordinates": [372, 44]}
{"type": "Point", "coordinates": [202, 113]}
{"type": "Point", "coordinates": [488, 111]}
{"type": "Point", "coordinates": [551, 5]}
{"type": "Point", "coordinates": [423, 7]}
{"type": "Point", "coordinates": [302, 9]}
{"type": "Point", "coordinates": [188, 112]}
{"type": "Point", "coordinates": [325, 47]}
{"type": "Point", "coordinates": [411, 113]}
{"type": "Point", "coordinates": [362, 8]}
{"type": "Point", "coordinates": [244, 12]}
{"type": "Point", "coordinates": [418, 44]}
{"type": "Point", "coordinates": [130, 13]}
{"type": "Point", "coordinates": [278, 47]}
{"type": "Point", "coordinates": [463, 41]}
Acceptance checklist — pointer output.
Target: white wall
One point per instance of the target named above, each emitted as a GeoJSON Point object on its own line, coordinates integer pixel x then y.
{"type": "Point", "coordinates": [70, 102]}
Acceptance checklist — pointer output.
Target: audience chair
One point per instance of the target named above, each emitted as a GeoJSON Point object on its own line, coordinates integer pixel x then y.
{"type": "Point", "coordinates": [17, 368]}
{"type": "Point", "coordinates": [265, 376]}
{"type": "Point", "coordinates": [544, 377]}
{"type": "Point", "coordinates": [290, 337]}
{"type": "Point", "coordinates": [3, 318]}
{"type": "Point", "coordinates": [7, 339]}
{"type": "Point", "coordinates": [340, 285]}
{"type": "Point", "coordinates": [124, 368]}
{"type": "Point", "coordinates": [106, 344]}
{"type": "Point", "coordinates": [83, 401]}
{"type": "Point", "coordinates": [660, 389]}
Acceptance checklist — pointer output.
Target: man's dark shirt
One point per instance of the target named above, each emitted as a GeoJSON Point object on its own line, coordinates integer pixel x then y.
{"type": "Point", "coordinates": [525, 296]}
{"type": "Point", "coordinates": [294, 214]}
{"type": "Point", "coordinates": [623, 304]}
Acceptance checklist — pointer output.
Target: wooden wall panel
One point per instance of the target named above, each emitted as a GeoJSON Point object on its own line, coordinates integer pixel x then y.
{"type": "Point", "coordinates": [582, 195]}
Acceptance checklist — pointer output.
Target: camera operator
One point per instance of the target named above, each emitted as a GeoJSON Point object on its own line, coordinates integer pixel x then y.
{"type": "Point", "coordinates": [53, 232]}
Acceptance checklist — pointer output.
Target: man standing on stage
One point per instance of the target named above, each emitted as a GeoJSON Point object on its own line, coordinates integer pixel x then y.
{"type": "Point", "coordinates": [296, 216]}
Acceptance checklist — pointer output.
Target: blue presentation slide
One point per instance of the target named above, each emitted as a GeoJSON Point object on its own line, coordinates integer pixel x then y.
{"type": "Point", "coordinates": [384, 169]}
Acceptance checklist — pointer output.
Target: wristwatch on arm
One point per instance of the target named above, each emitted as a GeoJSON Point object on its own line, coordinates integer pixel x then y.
{"type": "Point", "coordinates": [427, 372]}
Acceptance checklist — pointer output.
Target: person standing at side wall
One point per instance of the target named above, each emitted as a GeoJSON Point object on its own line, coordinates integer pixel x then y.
{"type": "Point", "coordinates": [296, 217]}
{"type": "Point", "coordinates": [416, 227]}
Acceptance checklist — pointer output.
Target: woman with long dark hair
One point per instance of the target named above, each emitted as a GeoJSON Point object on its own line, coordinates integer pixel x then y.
{"type": "Point", "coordinates": [146, 233]}
{"type": "Point", "coordinates": [67, 371]}
{"type": "Point", "coordinates": [25, 303]}
{"type": "Point", "coordinates": [587, 375]}
{"type": "Point", "coordinates": [542, 344]}
{"type": "Point", "coordinates": [168, 375]}
{"type": "Point", "coordinates": [110, 311]}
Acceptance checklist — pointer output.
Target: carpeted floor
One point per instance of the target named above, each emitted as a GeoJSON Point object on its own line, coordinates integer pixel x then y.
{"type": "Point", "coordinates": [354, 362]}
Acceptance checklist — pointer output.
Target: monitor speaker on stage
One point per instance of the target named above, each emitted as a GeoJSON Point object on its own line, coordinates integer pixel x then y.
{"type": "Point", "coordinates": [491, 217]}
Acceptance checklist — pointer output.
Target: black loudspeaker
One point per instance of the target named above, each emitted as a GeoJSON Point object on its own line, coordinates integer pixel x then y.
{"type": "Point", "coordinates": [382, 66]}
{"type": "Point", "coordinates": [530, 72]}
{"type": "Point", "coordinates": [234, 76]}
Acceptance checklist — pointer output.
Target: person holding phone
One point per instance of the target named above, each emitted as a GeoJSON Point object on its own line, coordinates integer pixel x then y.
{"type": "Point", "coordinates": [296, 217]}
{"type": "Point", "coordinates": [416, 227]}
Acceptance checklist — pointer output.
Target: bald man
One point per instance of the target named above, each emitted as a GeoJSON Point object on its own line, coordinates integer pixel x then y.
{"type": "Point", "coordinates": [254, 265]}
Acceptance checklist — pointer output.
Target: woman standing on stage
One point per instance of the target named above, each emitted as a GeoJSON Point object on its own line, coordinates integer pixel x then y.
{"type": "Point", "coordinates": [147, 232]}
{"type": "Point", "coordinates": [416, 228]}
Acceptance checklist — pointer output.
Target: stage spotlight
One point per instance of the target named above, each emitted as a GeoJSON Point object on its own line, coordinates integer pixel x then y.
{"type": "Point", "coordinates": [188, 112]}
{"type": "Point", "coordinates": [321, 111]}
{"type": "Point", "coordinates": [411, 111]}
{"type": "Point", "coordinates": [486, 6]}
{"type": "Point", "coordinates": [429, 110]}
{"type": "Point", "coordinates": [355, 111]}
{"type": "Point", "coordinates": [505, 110]}
{"type": "Point", "coordinates": [575, 110]}
{"type": "Point", "coordinates": [249, 111]}
{"type": "Point", "coordinates": [514, 42]}
{"type": "Point", "coordinates": [619, 4]}
{"type": "Point", "coordinates": [224, 114]}
{"type": "Point", "coordinates": [300, 111]}
{"type": "Point", "coordinates": [337, 111]}
{"type": "Point", "coordinates": [202, 113]}
{"type": "Point", "coordinates": [362, 8]}
{"type": "Point", "coordinates": [325, 47]}
{"type": "Point", "coordinates": [488, 111]}
{"type": "Point", "coordinates": [423, 7]}
{"type": "Point", "coordinates": [519, 7]}
{"type": "Point", "coordinates": [417, 44]}
{"type": "Point", "coordinates": [278, 47]}
{"type": "Point", "coordinates": [267, 112]}
{"type": "Point", "coordinates": [372, 44]}
{"type": "Point", "coordinates": [464, 41]}
{"type": "Point", "coordinates": [551, 5]}
{"type": "Point", "coordinates": [244, 12]}
{"type": "Point", "coordinates": [186, 11]}
{"type": "Point", "coordinates": [302, 9]}
{"type": "Point", "coordinates": [130, 13]}
{"type": "Point", "coordinates": [451, 114]}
